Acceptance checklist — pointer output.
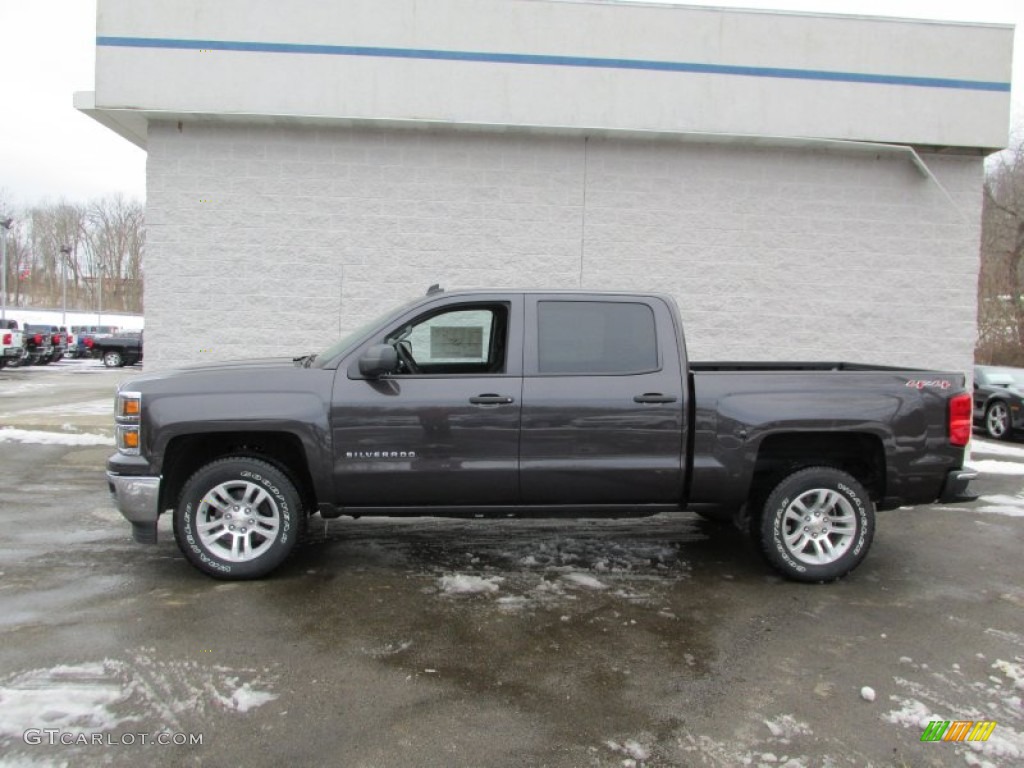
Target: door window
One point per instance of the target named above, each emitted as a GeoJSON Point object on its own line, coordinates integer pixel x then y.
{"type": "Point", "coordinates": [470, 340]}
{"type": "Point", "coordinates": [595, 337]}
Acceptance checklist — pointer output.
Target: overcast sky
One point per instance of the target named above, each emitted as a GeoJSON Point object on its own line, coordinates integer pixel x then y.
{"type": "Point", "coordinates": [49, 151]}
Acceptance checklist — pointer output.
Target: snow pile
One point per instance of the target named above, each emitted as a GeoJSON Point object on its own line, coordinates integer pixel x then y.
{"type": "Point", "coordinates": [867, 693]}
{"type": "Point", "coordinates": [35, 437]}
{"type": "Point", "coordinates": [460, 584]}
{"type": "Point", "coordinates": [94, 697]}
{"type": "Point", "coordinates": [68, 698]}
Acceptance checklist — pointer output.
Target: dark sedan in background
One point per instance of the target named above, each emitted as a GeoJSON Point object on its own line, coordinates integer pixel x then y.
{"type": "Point", "coordinates": [999, 400]}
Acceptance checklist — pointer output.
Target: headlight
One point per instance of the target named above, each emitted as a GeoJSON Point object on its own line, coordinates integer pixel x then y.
{"type": "Point", "coordinates": [128, 413]}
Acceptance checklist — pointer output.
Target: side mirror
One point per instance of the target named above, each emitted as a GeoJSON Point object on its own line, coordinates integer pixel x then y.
{"type": "Point", "coordinates": [378, 360]}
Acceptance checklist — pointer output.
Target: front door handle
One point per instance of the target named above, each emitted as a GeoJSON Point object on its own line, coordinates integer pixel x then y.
{"type": "Point", "coordinates": [654, 397]}
{"type": "Point", "coordinates": [491, 400]}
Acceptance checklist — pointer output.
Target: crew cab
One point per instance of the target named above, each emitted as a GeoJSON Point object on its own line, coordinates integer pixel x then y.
{"type": "Point", "coordinates": [505, 403]}
{"type": "Point", "coordinates": [12, 343]}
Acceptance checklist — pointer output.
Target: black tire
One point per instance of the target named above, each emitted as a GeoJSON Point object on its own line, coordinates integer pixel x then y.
{"type": "Point", "coordinates": [817, 525]}
{"type": "Point", "coordinates": [269, 518]}
{"type": "Point", "coordinates": [112, 359]}
{"type": "Point", "coordinates": [997, 420]}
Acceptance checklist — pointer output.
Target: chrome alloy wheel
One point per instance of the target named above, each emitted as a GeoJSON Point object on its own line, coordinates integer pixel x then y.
{"type": "Point", "coordinates": [997, 420]}
{"type": "Point", "coordinates": [237, 521]}
{"type": "Point", "coordinates": [819, 526]}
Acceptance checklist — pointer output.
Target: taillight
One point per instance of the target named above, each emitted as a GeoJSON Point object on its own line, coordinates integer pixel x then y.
{"type": "Point", "coordinates": [89, 343]}
{"type": "Point", "coordinates": [8, 338]}
{"type": "Point", "coordinates": [38, 338]}
{"type": "Point", "coordinates": [960, 407]}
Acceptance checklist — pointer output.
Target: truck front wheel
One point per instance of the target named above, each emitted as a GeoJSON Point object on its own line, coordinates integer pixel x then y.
{"type": "Point", "coordinates": [238, 518]}
{"type": "Point", "coordinates": [817, 525]}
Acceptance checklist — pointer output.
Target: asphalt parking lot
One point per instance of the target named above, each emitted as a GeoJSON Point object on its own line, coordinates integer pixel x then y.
{"type": "Point", "coordinates": [656, 642]}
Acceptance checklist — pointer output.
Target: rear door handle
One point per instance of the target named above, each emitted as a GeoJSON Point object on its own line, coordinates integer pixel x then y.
{"type": "Point", "coordinates": [654, 397]}
{"type": "Point", "coordinates": [491, 400]}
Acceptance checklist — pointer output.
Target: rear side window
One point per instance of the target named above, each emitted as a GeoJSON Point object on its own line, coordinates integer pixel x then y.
{"type": "Point", "coordinates": [596, 337]}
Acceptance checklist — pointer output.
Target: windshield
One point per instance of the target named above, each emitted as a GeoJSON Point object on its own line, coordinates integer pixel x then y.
{"type": "Point", "coordinates": [348, 341]}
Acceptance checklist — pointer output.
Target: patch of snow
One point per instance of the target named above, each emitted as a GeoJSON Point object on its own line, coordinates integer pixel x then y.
{"type": "Point", "coordinates": [68, 698]}
{"type": "Point", "coordinates": [1014, 671]}
{"type": "Point", "coordinates": [460, 584]}
{"type": "Point", "coordinates": [104, 407]}
{"type": "Point", "coordinates": [37, 437]}
{"type": "Point", "coordinates": [632, 748]}
{"type": "Point", "coordinates": [993, 467]}
{"type": "Point", "coordinates": [102, 696]}
{"type": "Point", "coordinates": [998, 504]}
{"type": "Point", "coordinates": [245, 698]}
{"type": "Point", "coordinates": [787, 726]}
{"type": "Point", "coordinates": [584, 580]}
{"type": "Point", "coordinates": [867, 693]}
{"type": "Point", "coordinates": [996, 449]}
{"type": "Point", "coordinates": [390, 649]}
{"type": "Point", "coordinates": [911, 714]}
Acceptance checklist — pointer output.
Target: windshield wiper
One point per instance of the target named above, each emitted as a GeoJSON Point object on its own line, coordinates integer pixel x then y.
{"type": "Point", "coordinates": [305, 361]}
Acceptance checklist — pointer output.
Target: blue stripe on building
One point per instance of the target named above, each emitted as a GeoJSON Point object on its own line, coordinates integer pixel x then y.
{"type": "Point", "coordinates": [552, 61]}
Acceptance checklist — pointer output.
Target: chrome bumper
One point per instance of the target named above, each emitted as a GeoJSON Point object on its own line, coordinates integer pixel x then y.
{"type": "Point", "coordinates": [138, 499]}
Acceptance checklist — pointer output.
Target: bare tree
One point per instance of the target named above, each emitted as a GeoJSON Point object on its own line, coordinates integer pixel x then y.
{"type": "Point", "coordinates": [1001, 278]}
{"type": "Point", "coordinates": [105, 240]}
{"type": "Point", "coordinates": [116, 239]}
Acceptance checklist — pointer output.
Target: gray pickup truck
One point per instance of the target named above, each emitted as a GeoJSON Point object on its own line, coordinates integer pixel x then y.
{"type": "Point", "coordinates": [505, 403]}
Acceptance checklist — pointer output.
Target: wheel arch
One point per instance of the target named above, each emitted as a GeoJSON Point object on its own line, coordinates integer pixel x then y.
{"type": "Point", "coordinates": [859, 454]}
{"type": "Point", "coordinates": [186, 454]}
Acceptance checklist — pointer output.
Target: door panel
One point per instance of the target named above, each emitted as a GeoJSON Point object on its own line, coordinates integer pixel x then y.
{"type": "Point", "coordinates": [446, 430]}
{"type": "Point", "coordinates": [601, 437]}
{"type": "Point", "coordinates": [410, 441]}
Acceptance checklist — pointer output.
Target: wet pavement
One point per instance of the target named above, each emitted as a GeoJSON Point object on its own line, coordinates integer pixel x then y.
{"type": "Point", "coordinates": [656, 642]}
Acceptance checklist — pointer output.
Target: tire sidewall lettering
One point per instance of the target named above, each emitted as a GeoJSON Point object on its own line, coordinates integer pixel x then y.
{"type": "Point", "coordinates": [772, 537]}
{"type": "Point", "coordinates": [278, 487]}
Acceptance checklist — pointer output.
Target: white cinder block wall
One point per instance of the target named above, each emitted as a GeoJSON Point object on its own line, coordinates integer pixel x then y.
{"type": "Point", "coordinates": [772, 253]}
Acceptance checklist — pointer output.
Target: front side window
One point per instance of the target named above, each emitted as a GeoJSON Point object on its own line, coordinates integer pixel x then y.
{"type": "Point", "coordinates": [470, 340]}
{"type": "Point", "coordinates": [594, 337]}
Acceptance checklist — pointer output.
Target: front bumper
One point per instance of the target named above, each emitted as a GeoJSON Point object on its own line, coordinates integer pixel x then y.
{"type": "Point", "coordinates": [957, 487]}
{"type": "Point", "coordinates": [137, 497]}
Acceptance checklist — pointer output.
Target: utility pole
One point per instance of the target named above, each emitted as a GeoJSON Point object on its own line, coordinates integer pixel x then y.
{"type": "Point", "coordinates": [6, 225]}
{"type": "Point", "coordinates": [65, 251]}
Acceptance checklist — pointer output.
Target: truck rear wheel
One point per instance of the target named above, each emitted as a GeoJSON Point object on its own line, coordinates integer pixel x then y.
{"type": "Point", "coordinates": [817, 525]}
{"type": "Point", "coordinates": [238, 518]}
{"type": "Point", "coordinates": [112, 359]}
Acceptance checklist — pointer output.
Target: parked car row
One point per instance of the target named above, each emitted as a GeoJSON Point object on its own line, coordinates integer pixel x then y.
{"type": "Point", "coordinates": [34, 344]}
